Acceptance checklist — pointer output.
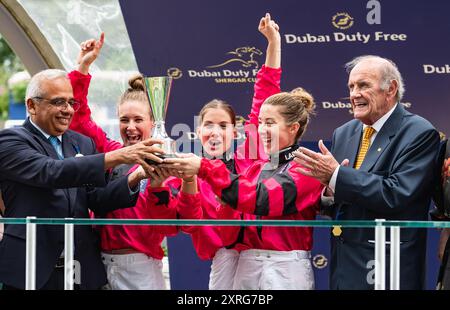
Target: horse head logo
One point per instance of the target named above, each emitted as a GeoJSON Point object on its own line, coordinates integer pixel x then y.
{"type": "Point", "coordinates": [243, 55]}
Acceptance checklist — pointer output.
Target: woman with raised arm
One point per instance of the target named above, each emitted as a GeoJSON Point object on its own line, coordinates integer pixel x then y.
{"type": "Point", "coordinates": [216, 131]}
{"type": "Point", "coordinates": [270, 257]}
{"type": "Point", "coordinates": [132, 254]}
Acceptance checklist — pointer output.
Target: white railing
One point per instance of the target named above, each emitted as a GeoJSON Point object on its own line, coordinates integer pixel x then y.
{"type": "Point", "coordinates": [68, 256]}
{"type": "Point", "coordinates": [30, 255]}
{"type": "Point", "coordinates": [380, 256]}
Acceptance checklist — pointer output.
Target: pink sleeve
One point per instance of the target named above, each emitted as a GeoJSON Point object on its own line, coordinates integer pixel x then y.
{"type": "Point", "coordinates": [160, 204]}
{"type": "Point", "coordinates": [82, 121]}
{"type": "Point", "coordinates": [267, 84]}
{"type": "Point", "coordinates": [189, 206]}
{"type": "Point", "coordinates": [163, 204]}
{"type": "Point", "coordinates": [281, 194]}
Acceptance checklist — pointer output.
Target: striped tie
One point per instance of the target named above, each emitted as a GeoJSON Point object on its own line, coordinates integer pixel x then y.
{"type": "Point", "coordinates": [365, 144]}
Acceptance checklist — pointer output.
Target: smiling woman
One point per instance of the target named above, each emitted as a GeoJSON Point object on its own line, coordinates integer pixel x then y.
{"type": "Point", "coordinates": [134, 113]}
{"type": "Point", "coordinates": [217, 127]}
{"type": "Point", "coordinates": [133, 255]}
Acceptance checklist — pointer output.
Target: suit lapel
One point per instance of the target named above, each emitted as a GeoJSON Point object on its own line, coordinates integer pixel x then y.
{"type": "Point", "coordinates": [68, 151]}
{"type": "Point", "coordinates": [69, 146]}
{"type": "Point", "coordinates": [383, 138]}
{"type": "Point", "coordinates": [41, 140]}
{"type": "Point", "coordinates": [351, 151]}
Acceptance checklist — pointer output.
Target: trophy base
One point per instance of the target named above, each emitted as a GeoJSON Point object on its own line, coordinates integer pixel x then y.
{"type": "Point", "coordinates": [163, 156]}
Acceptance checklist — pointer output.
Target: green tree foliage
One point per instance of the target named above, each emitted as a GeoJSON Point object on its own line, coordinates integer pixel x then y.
{"type": "Point", "coordinates": [10, 64]}
{"type": "Point", "coordinates": [8, 59]}
{"type": "Point", "coordinates": [3, 105]}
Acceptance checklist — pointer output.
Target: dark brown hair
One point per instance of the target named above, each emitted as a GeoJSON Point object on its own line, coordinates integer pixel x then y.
{"type": "Point", "coordinates": [218, 104]}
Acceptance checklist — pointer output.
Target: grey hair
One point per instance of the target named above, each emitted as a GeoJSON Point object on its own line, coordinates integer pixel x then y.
{"type": "Point", "coordinates": [34, 88]}
{"type": "Point", "coordinates": [388, 69]}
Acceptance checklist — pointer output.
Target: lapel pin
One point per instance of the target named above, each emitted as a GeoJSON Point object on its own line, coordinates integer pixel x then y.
{"type": "Point", "coordinates": [379, 149]}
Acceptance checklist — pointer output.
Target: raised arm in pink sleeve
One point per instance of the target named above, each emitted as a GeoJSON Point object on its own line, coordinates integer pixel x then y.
{"type": "Point", "coordinates": [267, 84]}
{"type": "Point", "coordinates": [82, 121]}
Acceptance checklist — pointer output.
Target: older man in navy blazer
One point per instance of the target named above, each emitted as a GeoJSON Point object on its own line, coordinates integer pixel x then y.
{"type": "Point", "coordinates": [387, 170]}
{"type": "Point", "coordinates": [49, 171]}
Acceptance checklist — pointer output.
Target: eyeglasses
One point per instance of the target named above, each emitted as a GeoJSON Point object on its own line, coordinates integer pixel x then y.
{"type": "Point", "coordinates": [61, 103]}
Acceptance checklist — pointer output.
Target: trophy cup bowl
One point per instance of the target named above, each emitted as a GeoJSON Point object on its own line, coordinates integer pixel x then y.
{"type": "Point", "coordinates": [158, 92]}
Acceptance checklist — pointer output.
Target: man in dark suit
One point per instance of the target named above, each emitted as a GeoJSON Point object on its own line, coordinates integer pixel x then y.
{"type": "Point", "coordinates": [387, 171]}
{"type": "Point", "coordinates": [49, 171]}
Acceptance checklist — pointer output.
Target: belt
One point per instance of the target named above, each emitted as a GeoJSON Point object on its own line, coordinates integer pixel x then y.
{"type": "Point", "coordinates": [121, 251]}
{"type": "Point", "coordinates": [261, 254]}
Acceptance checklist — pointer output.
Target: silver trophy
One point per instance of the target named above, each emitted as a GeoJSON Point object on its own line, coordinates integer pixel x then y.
{"type": "Point", "coordinates": [158, 92]}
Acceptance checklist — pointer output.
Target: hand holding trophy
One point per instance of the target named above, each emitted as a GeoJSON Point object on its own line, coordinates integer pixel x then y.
{"type": "Point", "coordinates": [158, 92]}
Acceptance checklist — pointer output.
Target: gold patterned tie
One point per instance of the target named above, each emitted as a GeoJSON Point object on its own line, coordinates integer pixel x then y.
{"type": "Point", "coordinates": [365, 144]}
